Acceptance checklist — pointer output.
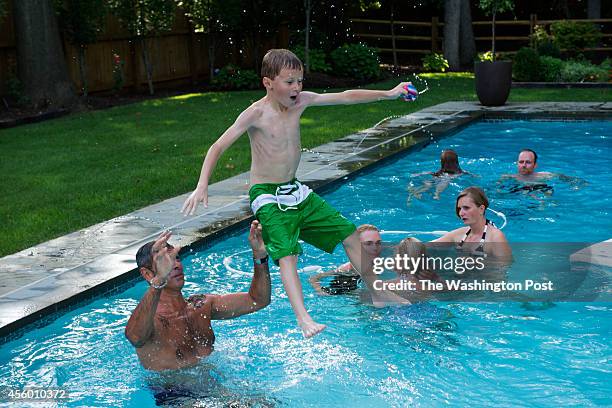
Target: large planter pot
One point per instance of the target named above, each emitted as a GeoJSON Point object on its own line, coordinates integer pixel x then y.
{"type": "Point", "coordinates": [493, 82]}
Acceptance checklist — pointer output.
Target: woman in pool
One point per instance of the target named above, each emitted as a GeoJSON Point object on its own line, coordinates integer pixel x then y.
{"type": "Point", "coordinates": [449, 169]}
{"type": "Point", "coordinates": [479, 236]}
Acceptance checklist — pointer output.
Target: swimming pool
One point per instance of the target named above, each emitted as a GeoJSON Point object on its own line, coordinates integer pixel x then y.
{"type": "Point", "coordinates": [432, 354]}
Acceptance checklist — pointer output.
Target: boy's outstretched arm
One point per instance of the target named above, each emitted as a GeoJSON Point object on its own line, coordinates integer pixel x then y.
{"type": "Point", "coordinates": [352, 96]}
{"type": "Point", "coordinates": [200, 194]}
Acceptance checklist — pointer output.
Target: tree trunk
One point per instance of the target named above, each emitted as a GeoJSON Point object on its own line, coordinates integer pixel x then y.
{"type": "Point", "coordinates": [594, 9]}
{"type": "Point", "coordinates": [308, 6]}
{"type": "Point", "coordinates": [452, 13]}
{"type": "Point", "coordinates": [395, 64]}
{"type": "Point", "coordinates": [467, 44]}
{"type": "Point", "coordinates": [146, 59]}
{"type": "Point", "coordinates": [40, 57]}
{"type": "Point", "coordinates": [83, 70]}
{"type": "Point", "coordinates": [493, 34]}
{"type": "Point", "coordinates": [212, 46]}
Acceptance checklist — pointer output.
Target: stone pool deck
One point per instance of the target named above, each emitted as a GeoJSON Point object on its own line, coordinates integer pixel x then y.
{"type": "Point", "coordinates": [54, 275]}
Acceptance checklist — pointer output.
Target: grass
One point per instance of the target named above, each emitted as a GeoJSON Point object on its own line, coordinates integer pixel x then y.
{"type": "Point", "coordinates": [69, 173]}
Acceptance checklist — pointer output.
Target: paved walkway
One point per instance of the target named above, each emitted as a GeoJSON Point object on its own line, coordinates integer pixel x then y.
{"type": "Point", "coordinates": [42, 279]}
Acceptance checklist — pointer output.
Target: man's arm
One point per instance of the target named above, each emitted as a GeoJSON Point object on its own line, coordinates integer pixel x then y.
{"type": "Point", "coordinates": [200, 194]}
{"type": "Point", "coordinates": [258, 296]}
{"type": "Point", "coordinates": [139, 328]}
{"type": "Point", "coordinates": [352, 96]}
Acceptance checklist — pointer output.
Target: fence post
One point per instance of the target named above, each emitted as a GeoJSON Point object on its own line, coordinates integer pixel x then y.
{"type": "Point", "coordinates": [533, 21]}
{"type": "Point", "coordinates": [434, 34]}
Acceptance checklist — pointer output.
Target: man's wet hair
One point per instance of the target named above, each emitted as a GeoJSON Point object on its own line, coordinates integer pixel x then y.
{"type": "Point", "coordinates": [144, 256]}
{"type": "Point", "coordinates": [277, 59]}
{"type": "Point", "coordinates": [535, 155]}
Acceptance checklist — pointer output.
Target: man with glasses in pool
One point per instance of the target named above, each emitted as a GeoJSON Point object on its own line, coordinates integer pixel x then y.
{"type": "Point", "coordinates": [171, 332]}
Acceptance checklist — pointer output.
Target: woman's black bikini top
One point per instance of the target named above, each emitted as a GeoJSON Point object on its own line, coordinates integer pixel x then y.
{"type": "Point", "coordinates": [479, 250]}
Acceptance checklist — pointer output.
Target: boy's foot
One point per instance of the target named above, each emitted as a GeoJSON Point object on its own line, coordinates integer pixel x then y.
{"type": "Point", "coordinates": [311, 328]}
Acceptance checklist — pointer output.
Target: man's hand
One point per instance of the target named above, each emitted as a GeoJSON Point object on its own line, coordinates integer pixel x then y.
{"type": "Point", "coordinates": [256, 241]}
{"type": "Point", "coordinates": [163, 256]}
{"type": "Point", "coordinates": [399, 90]}
{"type": "Point", "coordinates": [190, 205]}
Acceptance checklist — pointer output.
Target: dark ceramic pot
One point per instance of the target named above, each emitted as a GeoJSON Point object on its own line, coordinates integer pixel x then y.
{"type": "Point", "coordinates": [493, 82]}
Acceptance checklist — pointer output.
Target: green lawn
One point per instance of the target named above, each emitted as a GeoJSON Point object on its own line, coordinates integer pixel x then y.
{"type": "Point", "coordinates": [69, 173]}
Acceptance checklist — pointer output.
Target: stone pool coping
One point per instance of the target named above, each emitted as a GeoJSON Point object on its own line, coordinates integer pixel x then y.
{"type": "Point", "coordinates": [64, 272]}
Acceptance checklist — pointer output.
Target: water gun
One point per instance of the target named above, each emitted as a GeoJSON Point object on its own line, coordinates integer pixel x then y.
{"type": "Point", "coordinates": [410, 93]}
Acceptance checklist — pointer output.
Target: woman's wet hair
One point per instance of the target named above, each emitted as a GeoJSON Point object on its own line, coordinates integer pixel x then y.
{"type": "Point", "coordinates": [449, 163]}
{"type": "Point", "coordinates": [277, 59]}
{"type": "Point", "coordinates": [477, 195]}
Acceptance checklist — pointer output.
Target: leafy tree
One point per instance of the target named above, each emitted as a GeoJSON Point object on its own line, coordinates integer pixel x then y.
{"type": "Point", "coordinates": [82, 21]}
{"type": "Point", "coordinates": [459, 44]}
{"type": "Point", "coordinates": [214, 18]}
{"type": "Point", "coordinates": [491, 8]}
{"type": "Point", "coordinates": [256, 19]}
{"type": "Point", "coordinates": [144, 19]}
{"type": "Point", "coordinates": [40, 57]}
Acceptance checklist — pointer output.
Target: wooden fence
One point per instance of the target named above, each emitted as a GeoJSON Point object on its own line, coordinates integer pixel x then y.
{"type": "Point", "coordinates": [179, 56]}
{"type": "Point", "coordinates": [424, 37]}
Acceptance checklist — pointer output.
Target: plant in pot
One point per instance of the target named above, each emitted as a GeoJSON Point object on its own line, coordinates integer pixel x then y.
{"type": "Point", "coordinates": [493, 78]}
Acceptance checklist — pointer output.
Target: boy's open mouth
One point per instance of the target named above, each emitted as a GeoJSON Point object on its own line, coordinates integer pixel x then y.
{"type": "Point", "coordinates": [293, 97]}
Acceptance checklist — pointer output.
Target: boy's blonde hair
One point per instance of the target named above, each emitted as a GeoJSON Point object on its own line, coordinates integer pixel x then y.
{"type": "Point", "coordinates": [367, 227]}
{"type": "Point", "coordinates": [277, 59]}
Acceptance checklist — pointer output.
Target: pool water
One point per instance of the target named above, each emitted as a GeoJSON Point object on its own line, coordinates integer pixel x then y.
{"type": "Point", "coordinates": [430, 354]}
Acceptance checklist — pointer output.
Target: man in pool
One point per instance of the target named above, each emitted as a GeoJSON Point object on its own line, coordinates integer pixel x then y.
{"type": "Point", "coordinates": [530, 180]}
{"type": "Point", "coordinates": [287, 209]}
{"type": "Point", "coordinates": [171, 332]}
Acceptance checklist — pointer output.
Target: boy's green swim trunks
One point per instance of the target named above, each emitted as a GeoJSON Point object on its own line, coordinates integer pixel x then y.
{"type": "Point", "coordinates": [286, 216]}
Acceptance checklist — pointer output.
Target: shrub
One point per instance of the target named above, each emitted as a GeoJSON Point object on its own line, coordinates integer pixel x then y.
{"type": "Point", "coordinates": [435, 63]}
{"type": "Point", "coordinates": [485, 56]}
{"type": "Point", "coordinates": [574, 36]}
{"type": "Point", "coordinates": [549, 49]}
{"type": "Point", "coordinates": [583, 71]}
{"type": "Point", "coordinates": [232, 77]}
{"type": "Point", "coordinates": [539, 36]}
{"type": "Point", "coordinates": [526, 66]}
{"type": "Point", "coordinates": [356, 61]}
{"type": "Point", "coordinates": [15, 91]}
{"type": "Point", "coordinates": [551, 68]}
{"type": "Point", "coordinates": [316, 59]}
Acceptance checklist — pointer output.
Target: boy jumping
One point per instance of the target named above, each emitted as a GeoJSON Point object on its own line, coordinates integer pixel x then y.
{"type": "Point", "coordinates": [287, 209]}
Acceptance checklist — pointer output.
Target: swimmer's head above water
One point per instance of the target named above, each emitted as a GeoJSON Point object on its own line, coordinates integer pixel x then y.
{"type": "Point", "coordinates": [527, 162]}
{"type": "Point", "coordinates": [449, 163]}
{"type": "Point", "coordinates": [471, 205]}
